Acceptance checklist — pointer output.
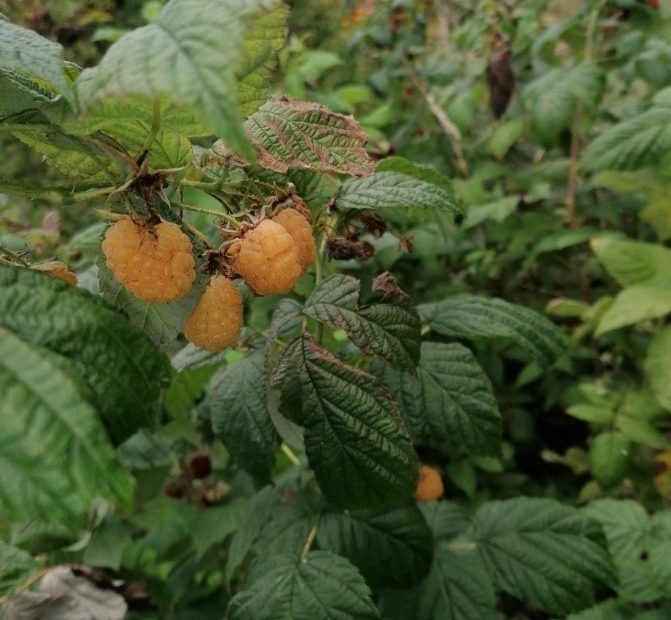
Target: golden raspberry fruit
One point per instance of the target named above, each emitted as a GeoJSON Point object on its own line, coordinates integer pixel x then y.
{"type": "Point", "coordinates": [267, 258]}
{"type": "Point", "coordinates": [215, 323]}
{"type": "Point", "coordinates": [155, 263]}
{"type": "Point", "coordinates": [301, 232]}
{"type": "Point", "coordinates": [57, 269]}
{"type": "Point", "coordinates": [429, 486]}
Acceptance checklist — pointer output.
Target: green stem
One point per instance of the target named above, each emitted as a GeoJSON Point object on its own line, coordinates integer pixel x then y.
{"type": "Point", "coordinates": [153, 131]}
{"type": "Point", "coordinates": [289, 453]}
{"type": "Point", "coordinates": [309, 542]}
{"type": "Point", "coordinates": [13, 256]}
{"type": "Point", "coordinates": [224, 216]}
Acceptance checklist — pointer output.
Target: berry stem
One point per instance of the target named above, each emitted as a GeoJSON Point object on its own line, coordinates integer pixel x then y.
{"type": "Point", "coordinates": [224, 216]}
{"type": "Point", "coordinates": [309, 542]}
{"type": "Point", "coordinates": [289, 453]}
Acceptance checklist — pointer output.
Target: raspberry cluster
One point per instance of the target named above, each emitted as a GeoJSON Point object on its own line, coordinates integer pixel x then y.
{"type": "Point", "coordinates": [274, 254]}
{"type": "Point", "coordinates": [215, 323]}
{"type": "Point", "coordinates": [429, 486]}
{"type": "Point", "coordinates": [155, 263]}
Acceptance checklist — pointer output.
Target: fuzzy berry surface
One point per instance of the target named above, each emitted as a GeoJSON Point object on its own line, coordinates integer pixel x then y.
{"type": "Point", "coordinates": [155, 263]}
{"type": "Point", "coordinates": [429, 486]}
{"type": "Point", "coordinates": [58, 269]}
{"type": "Point", "coordinates": [216, 321]}
{"type": "Point", "coordinates": [267, 258]}
{"type": "Point", "coordinates": [300, 230]}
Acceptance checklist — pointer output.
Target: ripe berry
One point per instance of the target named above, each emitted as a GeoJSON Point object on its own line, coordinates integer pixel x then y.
{"type": "Point", "coordinates": [267, 258]}
{"type": "Point", "coordinates": [155, 263]}
{"type": "Point", "coordinates": [429, 486]}
{"type": "Point", "coordinates": [57, 269]}
{"type": "Point", "coordinates": [200, 466]}
{"type": "Point", "coordinates": [216, 321]}
{"type": "Point", "coordinates": [301, 232]}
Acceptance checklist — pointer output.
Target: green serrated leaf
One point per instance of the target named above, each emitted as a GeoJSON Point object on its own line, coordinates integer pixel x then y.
{"type": "Point", "coordinates": [457, 588]}
{"type": "Point", "coordinates": [391, 548]}
{"type": "Point", "coordinates": [449, 403]}
{"type": "Point", "coordinates": [47, 312]}
{"type": "Point", "coordinates": [399, 184]}
{"type": "Point", "coordinates": [188, 54]}
{"type": "Point", "coordinates": [47, 421]}
{"type": "Point", "coordinates": [240, 418]}
{"type": "Point", "coordinates": [545, 553]}
{"type": "Point", "coordinates": [476, 317]}
{"type": "Point", "coordinates": [324, 586]}
{"type": "Point", "coordinates": [355, 440]}
{"type": "Point", "coordinates": [636, 143]}
{"type": "Point", "coordinates": [390, 330]}
{"type": "Point", "coordinates": [632, 262]}
{"type": "Point", "coordinates": [24, 52]}
{"type": "Point", "coordinates": [299, 135]}
{"type": "Point", "coordinates": [160, 322]}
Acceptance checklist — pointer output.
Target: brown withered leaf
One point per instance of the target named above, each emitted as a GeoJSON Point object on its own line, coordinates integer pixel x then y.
{"type": "Point", "coordinates": [301, 135]}
{"type": "Point", "coordinates": [501, 80]}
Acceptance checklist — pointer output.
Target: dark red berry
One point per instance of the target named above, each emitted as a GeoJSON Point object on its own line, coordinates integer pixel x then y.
{"type": "Point", "coordinates": [200, 466]}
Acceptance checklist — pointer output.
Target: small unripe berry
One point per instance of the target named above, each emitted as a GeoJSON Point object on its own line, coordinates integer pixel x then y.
{"type": "Point", "coordinates": [429, 486]}
{"type": "Point", "coordinates": [301, 232]}
{"type": "Point", "coordinates": [216, 321]}
{"type": "Point", "coordinates": [57, 269]}
{"type": "Point", "coordinates": [155, 263]}
{"type": "Point", "coordinates": [267, 258]}
{"type": "Point", "coordinates": [200, 466]}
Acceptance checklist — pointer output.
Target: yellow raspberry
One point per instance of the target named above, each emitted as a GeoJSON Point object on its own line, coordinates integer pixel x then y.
{"type": "Point", "coordinates": [300, 230]}
{"type": "Point", "coordinates": [155, 263]}
{"type": "Point", "coordinates": [429, 486]}
{"type": "Point", "coordinates": [267, 258]}
{"type": "Point", "coordinates": [215, 323]}
{"type": "Point", "coordinates": [57, 269]}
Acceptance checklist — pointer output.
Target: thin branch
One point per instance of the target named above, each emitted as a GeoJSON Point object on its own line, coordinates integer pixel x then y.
{"type": "Point", "coordinates": [309, 542]}
{"type": "Point", "coordinates": [448, 127]}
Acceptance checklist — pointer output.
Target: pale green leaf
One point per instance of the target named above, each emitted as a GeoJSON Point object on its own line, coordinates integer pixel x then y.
{"type": "Point", "coordinates": [477, 317]}
{"type": "Point", "coordinates": [635, 304]}
{"type": "Point", "coordinates": [608, 458]}
{"type": "Point", "coordinates": [542, 552]}
{"type": "Point", "coordinates": [16, 566]}
{"type": "Point", "coordinates": [658, 367]}
{"type": "Point", "coordinates": [633, 262]}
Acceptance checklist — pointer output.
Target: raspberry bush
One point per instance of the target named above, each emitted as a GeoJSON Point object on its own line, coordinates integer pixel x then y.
{"type": "Point", "coordinates": [330, 311]}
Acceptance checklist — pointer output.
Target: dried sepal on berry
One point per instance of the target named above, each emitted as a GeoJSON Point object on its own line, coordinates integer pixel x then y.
{"type": "Point", "coordinates": [155, 263]}
{"type": "Point", "coordinates": [267, 258]}
{"type": "Point", "coordinates": [57, 269]}
{"type": "Point", "coordinates": [300, 230]}
{"type": "Point", "coordinates": [429, 486]}
{"type": "Point", "coordinates": [216, 321]}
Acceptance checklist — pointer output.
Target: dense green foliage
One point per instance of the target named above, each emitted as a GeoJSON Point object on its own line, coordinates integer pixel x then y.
{"type": "Point", "coordinates": [488, 189]}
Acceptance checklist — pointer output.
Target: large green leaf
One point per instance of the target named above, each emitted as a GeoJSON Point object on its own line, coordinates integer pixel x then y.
{"type": "Point", "coordinates": [390, 330]}
{"type": "Point", "coordinates": [633, 305]}
{"type": "Point", "coordinates": [258, 58]}
{"type": "Point", "coordinates": [15, 567]}
{"type": "Point", "coordinates": [355, 439]}
{"type": "Point", "coordinates": [324, 586]}
{"type": "Point", "coordinates": [449, 402]}
{"type": "Point", "coordinates": [160, 322]}
{"type": "Point", "coordinates": [545, 553]}
{"type": "Point", "coordinates": [121, 366]}
{"type": "Point", "coordinates": [556, 96]}
{"type": "Point", "coordinates": [23, 51]}
{"type": "Point", "coordinates": [658, 367]}
{"type": "Point", "coordinates": [457, 588]}
{"type": "Point", "coordinates": [240, 418]}
{"type": "Point", "coordinates": [391, 547]}
{"type": "Point", "coordinates": [289, 134]}
{"type": "Point", "coordinates": [636, 143]}
{"type": "Point", "coordinates": [399, 184]}
{"type": "Point", "coordinates": [471, 317]}
{"type": "Point", "coordinates": [608, 458]}
{"type": "Point", "coordinates": [640, 548]}
{"type": "Point", "coordinates": [55, 458]}
{"type": "Point", "coordinates": [189, 54]}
